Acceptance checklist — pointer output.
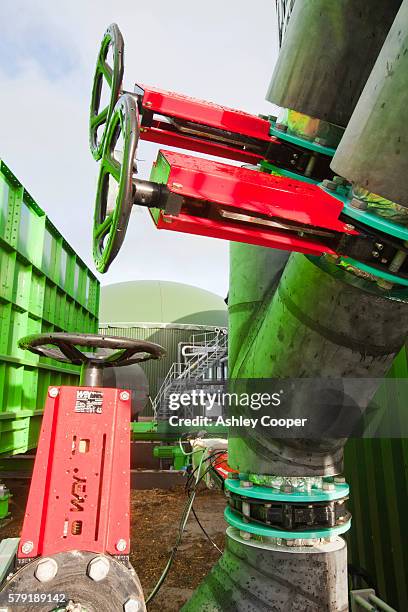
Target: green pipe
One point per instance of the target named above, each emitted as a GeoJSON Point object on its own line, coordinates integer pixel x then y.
{"type": "Point", "coordinates": [318, 323]}
{"type": "Point", "coordinates": [373, 151]}
{"type": "Point", "coordinates": [327, 55]}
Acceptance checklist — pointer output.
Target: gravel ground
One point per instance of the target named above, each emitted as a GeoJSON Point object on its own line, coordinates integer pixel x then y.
{"type": "Point", "coordinates": [155, 518]}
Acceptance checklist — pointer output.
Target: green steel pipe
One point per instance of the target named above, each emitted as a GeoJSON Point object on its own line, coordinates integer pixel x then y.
{"type": "Point", "coordinates": [327, 55]}
{"type": "Point", "coordinates": [257, 271]}
{"type": "Point", "coordinates": [256, 577]}
{"type": "Point", "coordinates": [373, 151]}
{"type": "Point", "coordinates": [319, 323]}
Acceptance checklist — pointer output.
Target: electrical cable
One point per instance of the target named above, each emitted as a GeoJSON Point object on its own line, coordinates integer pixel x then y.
{"type": "Point", "coordinates": [183, 521]}
{"type": "Point", "coordinates": [207, 535]}
{"type": "Point", "coordinates": [190, 477]}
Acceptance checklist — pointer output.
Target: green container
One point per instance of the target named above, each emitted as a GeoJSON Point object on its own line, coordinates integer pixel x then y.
{"type": "Point", "coordinates": [4, 507]}
{"type": "Point", "coordinates": [377, 472]}
{"type": "Point", "coordinates": [44, 287]}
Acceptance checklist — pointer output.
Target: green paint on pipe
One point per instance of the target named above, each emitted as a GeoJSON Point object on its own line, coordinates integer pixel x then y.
{"type": "Point", "coordinates": [317, 323]}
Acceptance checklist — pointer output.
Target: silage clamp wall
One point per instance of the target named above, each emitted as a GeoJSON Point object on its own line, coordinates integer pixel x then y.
{"type": "Point", "coordinates": [44, 287]}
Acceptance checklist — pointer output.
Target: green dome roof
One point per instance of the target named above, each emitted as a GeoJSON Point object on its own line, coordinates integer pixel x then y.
{"type": "Point", "coordinates": [161, 302]}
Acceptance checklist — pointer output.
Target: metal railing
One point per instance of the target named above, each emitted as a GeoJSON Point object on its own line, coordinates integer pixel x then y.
{"type": "Point", "coordinates": [366, 599]}
{"type": "Point", "coordinates": [205, 361]}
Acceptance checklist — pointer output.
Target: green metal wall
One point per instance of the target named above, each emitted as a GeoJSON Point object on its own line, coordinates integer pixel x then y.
{"type": "Point", "coordinates": [44, 287]}
{"type": "Point", "coordinates": [377, 471]}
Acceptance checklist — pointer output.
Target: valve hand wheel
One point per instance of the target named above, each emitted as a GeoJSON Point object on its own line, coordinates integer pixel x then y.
{"type": "Point", "coordinates": [112, 76]}
{"type": "Point", "coordinates": [125, 351]}
{"type": "Point", "coordinates": [114, 194]}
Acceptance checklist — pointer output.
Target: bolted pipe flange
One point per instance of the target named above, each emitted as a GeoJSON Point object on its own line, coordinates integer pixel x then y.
{"type": "Point", "coordinates": [82, 593]}
{"type": "Point", "coordinates": [46, 569]}
{"type": "Point", "coordinates": [98, 568]}
{"type": "Point", "coordinates": [132, 605]}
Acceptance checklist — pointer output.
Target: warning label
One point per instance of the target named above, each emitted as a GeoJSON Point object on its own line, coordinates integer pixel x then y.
{"type": "Point", "coordinates": [89, 402]}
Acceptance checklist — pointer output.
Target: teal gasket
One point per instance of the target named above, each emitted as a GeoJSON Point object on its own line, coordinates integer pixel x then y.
{"type": "Point", "coordinates": [302, 142]}
{"type": "Point", "coordinates": [368, 218]}
{"type": "Point", "coordinates": [235, 520]}
{"type": "Point", "coordinates": [266, 167]}
{"type": "Point", "coordinates": [385, 275]}
{"type": "Point", "coordinates": [270, 494]}
{"type": "Point", "coordinates": [376, 222]}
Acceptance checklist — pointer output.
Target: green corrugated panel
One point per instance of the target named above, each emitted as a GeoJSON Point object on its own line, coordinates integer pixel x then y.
{"type": "Point", "coordinates": [377, 471]}
{"type": "Point", "coordinates": [44, 287]}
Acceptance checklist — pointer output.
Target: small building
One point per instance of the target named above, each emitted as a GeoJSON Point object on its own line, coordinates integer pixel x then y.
{"type": "Point", "coordinates": [164, 312]}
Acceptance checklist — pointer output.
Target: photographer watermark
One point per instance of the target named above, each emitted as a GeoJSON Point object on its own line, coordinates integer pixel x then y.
{"type": "Point", "coordinates": [209, 401]}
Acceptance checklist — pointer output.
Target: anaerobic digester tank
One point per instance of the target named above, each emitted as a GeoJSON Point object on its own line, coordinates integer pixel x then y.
{"type": "Point", "coordinates": [317, 320]}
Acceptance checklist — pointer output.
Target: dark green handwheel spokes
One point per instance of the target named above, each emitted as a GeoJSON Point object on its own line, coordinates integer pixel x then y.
{"type": "Point", "coordinates": [114, 194]}
{"type": "Point", "coordinates": [112, 76]}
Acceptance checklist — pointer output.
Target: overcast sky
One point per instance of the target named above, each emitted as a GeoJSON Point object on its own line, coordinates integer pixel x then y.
{"type": "Point", "coordinates": [219, 50]}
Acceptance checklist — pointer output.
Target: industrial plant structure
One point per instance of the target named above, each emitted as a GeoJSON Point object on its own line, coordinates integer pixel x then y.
{"type": "Point", "coordinates": [316, 216]}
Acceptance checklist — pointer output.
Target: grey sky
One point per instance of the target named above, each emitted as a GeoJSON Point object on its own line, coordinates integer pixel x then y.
{"type": "Point", "coordinates": [223, 51]}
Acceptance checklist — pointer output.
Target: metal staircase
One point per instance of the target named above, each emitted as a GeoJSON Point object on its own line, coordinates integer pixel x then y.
{"type": "Point", "coordinates": [203, 367]}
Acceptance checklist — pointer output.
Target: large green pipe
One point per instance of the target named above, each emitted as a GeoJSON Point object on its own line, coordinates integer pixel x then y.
{"type": "Point", "coordinates": [251, 577]}
{"type": "Point", "coordinates": [259, 270]}
{"type": "Point", "coordinates": [373, 151]}
{"type": "Point", "coordinates": [314, 320]}
{"type": "Point", "coordinates": [319, 323]}
{"type": "Point", "coordinates": [327, 55]}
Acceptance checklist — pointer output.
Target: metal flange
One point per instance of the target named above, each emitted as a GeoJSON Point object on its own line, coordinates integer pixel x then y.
{"type": "Point", "coordinates": [338, 491]}
{"type": "Point", "coordinates": [235, 520]}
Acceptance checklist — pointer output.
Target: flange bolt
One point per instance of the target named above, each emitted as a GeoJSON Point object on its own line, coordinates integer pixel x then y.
{"type": "Point", "coordinates": [360, 204]}
{"type": "Point", "coordinates": [331, 185]}
{"type": "Point", "coordinates": [46, 569]}
{"type": "Point", "coordinates": [132, 605]}
{"type": "Point", "coordinates": [121, 545]}
{"type": "Point", "coordinates": [27, 547]}
{"type": "Point", "coordinates": [53, 391]}
{"type": "Point", "coordinates": [98, 568]}
{"type": "Point", "coordinates": [124, 396]}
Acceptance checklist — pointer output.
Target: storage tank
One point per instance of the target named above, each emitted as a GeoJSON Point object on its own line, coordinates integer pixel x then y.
{"type": "Point", "coordinates": [164, 312]}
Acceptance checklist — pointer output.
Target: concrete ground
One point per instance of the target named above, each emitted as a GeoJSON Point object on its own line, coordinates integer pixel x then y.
{"type": "Point", "coordinates": [155, 516]}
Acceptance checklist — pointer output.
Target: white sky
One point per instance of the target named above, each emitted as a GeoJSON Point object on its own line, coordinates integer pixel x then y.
{"type": "Point", "coordinates": [219, 50]}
